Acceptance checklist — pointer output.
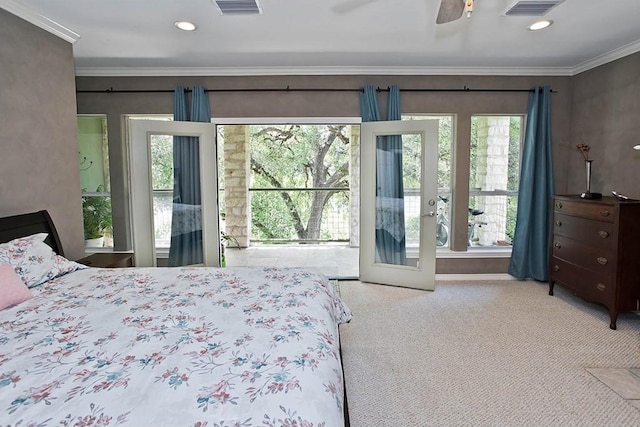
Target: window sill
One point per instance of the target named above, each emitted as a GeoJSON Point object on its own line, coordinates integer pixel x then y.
{"type": "Point", "coordinates": [477, 252]}
{"type": "Point", "coordinates": [496, 252]}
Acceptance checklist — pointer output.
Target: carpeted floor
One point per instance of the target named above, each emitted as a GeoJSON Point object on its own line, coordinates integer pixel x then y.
{"type": "Point", "coordinates": [485, 353]}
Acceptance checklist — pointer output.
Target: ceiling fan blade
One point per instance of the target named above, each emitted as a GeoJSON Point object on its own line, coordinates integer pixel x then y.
{"type": "Point", "coordinates": [450, 10]}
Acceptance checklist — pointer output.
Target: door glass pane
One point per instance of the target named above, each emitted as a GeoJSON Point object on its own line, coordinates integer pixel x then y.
{"type": "Point", "coordinates": [175, 180]}
{"type": "Point", "coordinates": [398, 200]}
{"type": "Point", "coordinates": [445, 143]}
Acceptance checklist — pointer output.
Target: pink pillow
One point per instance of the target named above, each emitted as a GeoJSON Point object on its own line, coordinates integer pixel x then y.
{"type": "Point", "coordinates": [12, 290]}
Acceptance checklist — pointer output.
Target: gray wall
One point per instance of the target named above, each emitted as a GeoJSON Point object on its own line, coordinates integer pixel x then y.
{"type": "Point", "coordinates": [606, 116]}
{"type": "Point", "coordinates": [39, 161]}
{"type": "Point", "coordinates": [338, 104]}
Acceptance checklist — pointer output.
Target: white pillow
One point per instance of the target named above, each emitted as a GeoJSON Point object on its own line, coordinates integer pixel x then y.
{"type": "Point", "coordinates": [34, 261]}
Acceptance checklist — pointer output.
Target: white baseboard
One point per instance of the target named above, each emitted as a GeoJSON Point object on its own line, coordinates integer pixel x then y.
{"type": "Point", "coordinates": [474, 277]}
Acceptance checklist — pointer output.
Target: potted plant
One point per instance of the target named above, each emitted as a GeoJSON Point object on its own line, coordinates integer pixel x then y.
{"type": "Point", "coordinates": [96, 213]}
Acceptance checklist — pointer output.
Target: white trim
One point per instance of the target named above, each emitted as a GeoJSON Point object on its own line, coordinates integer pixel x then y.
{"type": "Point", "coordinates": [475, 277]}
{"type": "Point", "coordinates": [39, 20]}
{"type": "Point", "coordinates": [611, 56]}
{"type": "Point", "coordinates": [285, 120]}
{"type": "Point", "coordinates": [322, 71]}
{"type": "Point", "coordinates": [480, 253]}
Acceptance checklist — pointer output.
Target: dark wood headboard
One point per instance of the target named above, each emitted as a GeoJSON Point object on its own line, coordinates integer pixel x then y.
{"type": "Point", "coordinates": [12, 227]}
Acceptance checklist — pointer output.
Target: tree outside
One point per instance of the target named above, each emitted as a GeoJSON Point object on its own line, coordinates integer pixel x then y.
{"type": "Point", "coordinates": [299, 176]}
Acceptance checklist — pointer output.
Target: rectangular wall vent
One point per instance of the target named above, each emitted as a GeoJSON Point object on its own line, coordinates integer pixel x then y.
{"type": "Point", "coordinates": [532, 7]}
{"type": "Point", "coordinates": [238, 7]}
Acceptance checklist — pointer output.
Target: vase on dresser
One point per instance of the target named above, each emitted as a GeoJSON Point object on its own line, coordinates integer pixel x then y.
{"type": "Point", "coordinates": [588, 194]}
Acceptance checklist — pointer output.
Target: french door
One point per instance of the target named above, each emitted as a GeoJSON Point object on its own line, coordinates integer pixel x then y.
{"type": "Point", "coordinates": [190, 220]}
{"type": "Point", "coordinates": [399, 191]}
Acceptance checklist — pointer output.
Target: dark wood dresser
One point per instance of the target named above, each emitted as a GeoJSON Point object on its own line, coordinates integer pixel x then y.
{"type": "Point", "coordinates": [595, 251]}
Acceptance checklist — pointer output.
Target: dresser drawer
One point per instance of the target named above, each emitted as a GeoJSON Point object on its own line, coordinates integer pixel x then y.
{"type": "Point", "coordinates": [599, 260]}
{"type": "Point", "coordinates": [590, 210]}
{"type": "Point", "coordinates": [587, 284]}
{"type": "Point", "coordinates": [593, 233]}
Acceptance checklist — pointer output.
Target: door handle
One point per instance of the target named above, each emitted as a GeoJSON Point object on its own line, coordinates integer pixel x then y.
{"type": "Point", "coordinates": [430, 213]}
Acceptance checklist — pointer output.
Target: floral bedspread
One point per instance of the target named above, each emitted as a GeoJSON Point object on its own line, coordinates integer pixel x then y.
{"type": "Point", "coordinates": [174, 347]}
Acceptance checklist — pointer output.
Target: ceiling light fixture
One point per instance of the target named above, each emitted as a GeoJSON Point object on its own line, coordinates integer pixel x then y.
{"type": "Point", "coordinates": [540, 25]}
{"type": "Point", "coordinates": [185, 25]}
{"type": "Point", "coordinates": [637, 147]}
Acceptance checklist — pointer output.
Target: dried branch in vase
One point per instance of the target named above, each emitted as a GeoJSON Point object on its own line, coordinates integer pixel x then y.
{"type": "Point", "coordinates": [584, 149]}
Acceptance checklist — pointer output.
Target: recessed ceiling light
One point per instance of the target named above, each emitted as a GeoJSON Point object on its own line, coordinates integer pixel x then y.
{"type": "Point", "coordinates": [539, 25]}
{"type": "Point", "coordinates": [637, 147]}
{"type": "Point", "coordinates": [185, 25]}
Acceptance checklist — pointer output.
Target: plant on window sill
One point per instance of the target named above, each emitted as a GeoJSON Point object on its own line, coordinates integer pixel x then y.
{"type": "Point", "coordinates": [96, 214]}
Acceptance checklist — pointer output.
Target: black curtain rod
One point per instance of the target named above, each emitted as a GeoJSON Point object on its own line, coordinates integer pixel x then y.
{"type": "Point", "coordinates": [289, 89]}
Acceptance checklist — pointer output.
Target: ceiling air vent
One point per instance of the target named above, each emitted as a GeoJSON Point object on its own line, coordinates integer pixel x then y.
{"type": "Point", "coordinates": [532, 7]}
{"type": "Point", "coordinates": [238, 7]}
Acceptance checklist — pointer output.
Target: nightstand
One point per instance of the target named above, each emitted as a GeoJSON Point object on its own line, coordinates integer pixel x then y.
{"type": "Point", "coordinates": [109, 260]}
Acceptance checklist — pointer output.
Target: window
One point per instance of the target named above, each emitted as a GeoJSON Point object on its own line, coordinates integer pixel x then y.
{"type": "Point", "coordinates": [493, 179]}
{"type": "Point", "coordinates": [93, 159]}
{"type": "Point", "coordinates": [445, 142]}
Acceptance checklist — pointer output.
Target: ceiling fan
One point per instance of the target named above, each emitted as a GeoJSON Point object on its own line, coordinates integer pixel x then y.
{"type": "Point", "coordinates": [451, 10]}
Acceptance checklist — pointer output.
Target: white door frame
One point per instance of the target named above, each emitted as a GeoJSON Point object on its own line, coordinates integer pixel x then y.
{"type": "Point", "coordinates": [139, 132]}
{"type": "Point", "coordinates": [421, 276]}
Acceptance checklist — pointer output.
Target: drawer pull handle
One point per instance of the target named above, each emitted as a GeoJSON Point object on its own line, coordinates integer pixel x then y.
{"type": "Point", "coordinates": [556, 267]}
{"type": "Point", "coordinates": [603, 234]}
{"type": "Point", "coordinates": [559, 223]}
{"type": "Point", "coordinates": [602, 260]}
{"type": "Point", "coordinates": [601, 287]}
{"type": "Point", "coordinates": [604, 212]}
{"type": "Point", "coordinates": [557, 245]}
{"type": "Point", "coordinates": [559, 205]}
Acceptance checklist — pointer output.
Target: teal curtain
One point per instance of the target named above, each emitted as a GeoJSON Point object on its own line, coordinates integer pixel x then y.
{"type": "Point", "coordinates": [530, 253]}
{"type": "Point", "coordinates": [390, 235]}
{"type": "Point", "coordinates": [186, 224]}
{"type": "Point", "coordinates": [369, 104]}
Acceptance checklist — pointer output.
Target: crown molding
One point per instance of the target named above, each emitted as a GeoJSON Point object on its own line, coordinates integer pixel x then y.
{"type": "Point", "coordinates": [317, 71]}
{"type": "Point", "coordinates": [36, 18]}
{"type": "Point", "coordinates": [611, 56]}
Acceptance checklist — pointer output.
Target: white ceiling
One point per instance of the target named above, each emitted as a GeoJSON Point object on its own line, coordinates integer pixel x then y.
{"type": "Point", "coordinates": [137, 37]}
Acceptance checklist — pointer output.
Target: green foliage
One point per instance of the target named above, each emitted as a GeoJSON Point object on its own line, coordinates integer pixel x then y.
{"type": "Point", "coordinates": [269, 217]}
{"type": "Point", "coordinates": [96, 213]}
{"type": "Point", "coordinates": [291, 157]}
{"type": "Point", "coordinates": [161, 148]}
{"type": "Point", "coordinates": [411, 154]}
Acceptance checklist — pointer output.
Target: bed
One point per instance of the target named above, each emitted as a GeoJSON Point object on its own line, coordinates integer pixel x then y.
{"type": "Point", "coordinates": [164, 346]}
